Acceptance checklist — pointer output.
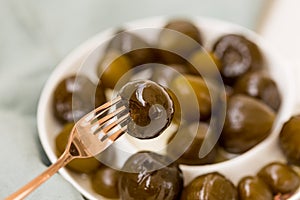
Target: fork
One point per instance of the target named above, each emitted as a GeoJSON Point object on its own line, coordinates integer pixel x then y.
{"type": "Point", "coordinates": [91, 135]}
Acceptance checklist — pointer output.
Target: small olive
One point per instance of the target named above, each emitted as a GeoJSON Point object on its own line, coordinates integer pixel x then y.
{"type": "Point", "coordinates": [248, 121]}
{"type": "Point", "coordinates": [105, 182]}
{"type": "Point", "coordinates": [259, 84]}
{"type": "Point", "coordinates": [75, 96]}
{"type": "Point", "coordinates": [150, 176]}
{"type": "Point", "coordinates": [179, 39]}
{"type": "Point", "coordinates": [189, 88]}
{"type": "Point", "coordinates": [191, 154]}
{"type": "Point", "coordinates": [112, 67]}
{"type": "Point", "coordinates": [289, 139]}
{"type": "Point", "coordinates": [132, 46]}
{"type": "Point", "coordinates": [82, 165]}
{"type": "Point", "coordinates": [212, 186]}
{"type": "Point", "coordinates": [280, 177]}
{"type": "Point", "coordinates": [253, 188]}
{"type": "Point", "coordinates": [238, 55]}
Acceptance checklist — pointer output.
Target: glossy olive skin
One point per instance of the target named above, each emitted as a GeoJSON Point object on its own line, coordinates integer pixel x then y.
{"type": "Point", "coordinates": [164, 183]}
{"type": "Point", "coordinates": [259, 84]}
{"type": "Point", "coordinates": [83, 165]}
{"type": "Point", "coordinates": [134, 47]}
{"type": "Point", "coordinates": [248, 121]}
{"type": "Point", "coordinates": [289, 139]}
{"type": "Point", "coordinates": [196, 88]}
{"type": "Point", "coordinates": [112, 67]}
{"type": "Point", "coordinates": [191, 153]}
{"type": "Point", "coordinates": [212, 186]}
{"type": "Point", "coordinates": [75, 96]}
{"type": "Point", "coordinates": [105, 182]}
{"type": "Point", "coordinates": [183, 39]}
{"type": "Point", "coordinates": [150, 107]}
{"type": "Point", "coordinates": [254, 188]}
{"type": "Point", "coordinates": [280, 177]}
{"type": "Point", "coordinates": [238, 55]}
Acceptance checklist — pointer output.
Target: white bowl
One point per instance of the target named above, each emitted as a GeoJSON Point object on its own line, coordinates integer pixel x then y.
{"type": "Point", "coordinates": [246, 164]}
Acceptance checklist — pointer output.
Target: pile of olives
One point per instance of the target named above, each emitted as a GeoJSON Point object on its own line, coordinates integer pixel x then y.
{"type": "Point", "coordinates": [253, 101]}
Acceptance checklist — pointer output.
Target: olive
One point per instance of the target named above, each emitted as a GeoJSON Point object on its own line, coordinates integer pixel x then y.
{"type": "Point", "coordinates": [112, 67]}
{"type": "Point", "coordinates": [207, 64]}
{"type": "Point", "coordinates": [178, 40]}
{"type": "Point", "coordinates": [105, 182]}
{"type": "Point", "coordinates": [190, 86]}
{"type": "Point", "coordinates": [253, 188]}
{"type": "Point", "coordinates": [132, 46]}
{"type": "Point", "coordinates": [212, 186]}
{"type": "Point", "coordinates": [238, 55]}
{"type": "Point", "coordinates": [82, 165]}
{"type": "Point", "coordinates": [289, 139]}
{"type": "Point", "coordinates": [150, 107]}
{"type": "Point", "coordinates": [259, 84]}
{"type": "Point", "coordinates": [191, 154]}
{"type": "Point", "coordinates": [248, 121]}
{"type": "Point", "coordinates": [280, 177]}
{"type": "Point", "coordinates": [75, 96]}
{"type": "Point", "coordinates": [147, 175]}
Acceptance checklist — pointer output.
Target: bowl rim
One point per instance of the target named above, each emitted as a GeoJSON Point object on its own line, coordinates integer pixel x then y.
{"type": "Point", "coordinates": [85, 49]}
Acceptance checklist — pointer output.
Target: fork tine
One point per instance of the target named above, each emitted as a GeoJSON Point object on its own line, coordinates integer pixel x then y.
{"type": "Point", "coordinates": [117, 134]}
{"type": "Point", "coordinates": [101, 109]}
{"type": "Point", "coordinates": [107, 128]}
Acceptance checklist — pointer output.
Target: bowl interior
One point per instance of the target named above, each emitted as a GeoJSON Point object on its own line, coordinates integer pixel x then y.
{"type": "Point", "coordinates": [89, 53]}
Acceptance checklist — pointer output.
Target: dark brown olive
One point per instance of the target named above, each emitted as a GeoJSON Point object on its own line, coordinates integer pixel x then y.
{"type": "Point", "coordinates": [190, 87]}
{"type": "Point", "coordinates": [259, 84]}
{"type": "Point", "coordinates": [105, 182]}
{"type": "Point", "coordinates": [83, 165]}
{"type": "Point", "coordinates": [150, 107]}
{"type": "Point", "coordinates": [248, 121]}
{"type": "Point", "coordinates": [191, 153]}
{"type": "Point", "coordinates": [238, 55]}
{"type": "Point", "coordinates": [182, 38]}
{"type": "Point", "coordinates": [212, 186]}
{"type": "Point", "coordinates": [280, 177]}
{"type": "Point", "coordinates": [134, 47]}
{"type": "Point", "coordinates": [154, 178]}
{"type": "Point", "coordinates": [289, 139]}
{"type": "Point", "coordinates": [112, 67]}
{"type": "Point", "coordinates": [253, 188]}
{"type": "Point", "coordinates": [75, 96]}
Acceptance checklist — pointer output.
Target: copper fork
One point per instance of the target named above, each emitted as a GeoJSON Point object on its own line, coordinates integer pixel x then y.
{"type": "Point", "coordinates": [91, 135]}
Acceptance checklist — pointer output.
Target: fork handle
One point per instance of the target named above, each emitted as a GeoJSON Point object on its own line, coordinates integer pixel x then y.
{"type": "Point", "coordinates": [36, 182]}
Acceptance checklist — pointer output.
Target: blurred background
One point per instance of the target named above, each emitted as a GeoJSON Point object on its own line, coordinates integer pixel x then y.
{"type": "Point", "coordinates": [35, 35]}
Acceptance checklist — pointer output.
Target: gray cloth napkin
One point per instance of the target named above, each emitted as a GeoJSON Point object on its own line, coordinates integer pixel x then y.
{"type": "Point", "coordinates": [35, 35]}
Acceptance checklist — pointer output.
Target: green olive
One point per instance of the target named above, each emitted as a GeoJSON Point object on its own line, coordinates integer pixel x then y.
{"type": "Point", "coordinates": [259, 84]}
{"type": "Point", "coordinates": [75, 96]}
{"type": "Point", "coordinates": [150, 176]}
{"type": "Point", "coordinates": [105, 182]}
{"type": "Point", "coordinates": [132, 46]}
{"type": "Point", "coordinates": [190, 86]}
{"type": "Point", "coordinates": [248, 121]}
{"type": "Point", "coordinates": [207, 64]}
{"type": "Point", "coordinates": [289, 139]}
{"type": "Point", "coordinates": [253, 188]}
{"type": "Point", "coordinates": [112, 68]}
{"type": "Point", "coordinates": [82, 165]}
{"type": "Point", "coordinates": [238, 55]}
{"type": "Point", "coordinates": [191, 154]}
{"type": "Point", "coordinates": [212, 186]}
{"type": "Point", "coordinates": [178, 40]}
{"type": "Point", "coordinates": [280, 177]}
